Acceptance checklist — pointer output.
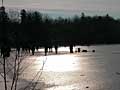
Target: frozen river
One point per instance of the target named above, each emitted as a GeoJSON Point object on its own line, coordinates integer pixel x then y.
{"type": "Point", "coordinates": [78, 71]}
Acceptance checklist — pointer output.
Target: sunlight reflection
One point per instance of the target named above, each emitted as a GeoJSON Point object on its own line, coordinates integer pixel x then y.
{"type": "Point", "coordinates": [61, 63]}
{"type": "Point", "coordinates": [60, 49]}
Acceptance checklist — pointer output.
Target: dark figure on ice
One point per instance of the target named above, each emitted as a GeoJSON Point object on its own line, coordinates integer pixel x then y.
{"type": "Point", "coordinates": [50, 48]}
{"type": "Point", "coordinates": [56, 49]}
{"type": "Point", "coordinates": [71, 48]}
{"type": "Point", "coordinates": [37, 47]}
{"type": "Point", "coordinates": [93, 50]}
{"type": "Point", "coordinates": [78, 49]}
{"type": "Point", "coordinates": [33, 50]}
{"type": "Point", "coordinates": [18, 50]}
{"type": "Point", "coordinates": [46, 50]}
{"type": "Point", "coordinates": [84, 51]}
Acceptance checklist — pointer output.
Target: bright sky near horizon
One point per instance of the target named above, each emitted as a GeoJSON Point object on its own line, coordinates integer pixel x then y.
{"type": "Point", "coordinates": [67, 7]}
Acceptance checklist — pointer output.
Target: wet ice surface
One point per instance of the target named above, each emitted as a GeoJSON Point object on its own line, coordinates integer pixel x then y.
{"type": "Point", "coordinates": [78, 71]}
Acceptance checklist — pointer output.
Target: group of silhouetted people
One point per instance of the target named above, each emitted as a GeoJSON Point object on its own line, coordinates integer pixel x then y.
{"type": "Point", "coordinates": [50, 49]}
{"type": "Point", "coordinates": [84, 50]}
{"type": "Point", "coordinates": [5, 50]}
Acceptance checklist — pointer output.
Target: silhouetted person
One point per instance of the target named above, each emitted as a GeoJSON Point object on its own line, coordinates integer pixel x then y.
{"type": "Point", "coordinates": [71, 48]}
{"type": "Point", "coordinates": [46, 50]}
{"type": "Point", "coordinates": [56, 49]}
{"type": "Point", "coordinates": [50, 49]}
{"type": "Point", "coordinates": [33, 50]}
{"type": "Point", "coordinates": [29, 50]}
{"type": "Point", "coordinates": [8, 51]}
{"type": "Point", "coordinates": [18, 50]}
{"type": "Point", "coordinates": [37, 47]}
{"type": "Point", "coordinates": [78, 49]}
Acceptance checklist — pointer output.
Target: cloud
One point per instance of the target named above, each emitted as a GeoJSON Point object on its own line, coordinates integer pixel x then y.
{"type": "Point", "coordinates": [64, 4]}
{"type": "Point", "coordinates": [72, 5]}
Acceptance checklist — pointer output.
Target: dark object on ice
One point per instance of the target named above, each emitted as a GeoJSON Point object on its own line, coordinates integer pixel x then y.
{"type": "Point", "coordinates": [87, 86]}
{"type": "Point", "coordinates": [56, 49]}
{"type": "Point", "coordinates": [50, 49]}
{"type": "Point", "coordinates": [118, 73]}
{"type": "Point", "coordinates": [71, 48]}
{"type": "Point", "coordinates": [82, 75]}
{"type": "Point", "coordinates": [37, 47]}
{"type": "Point", "coordinates": [18, 49]}
{"type": "Point", "coordinates": [93, 50]}
{"type": "Point", "coordinates": [33, 50]}
{"type": "Point", "coordinates": [84, 51]}
{"type": "Point", "coordinates": [46, 50]}
{"type": "Point", "coordinates": [78, 49]}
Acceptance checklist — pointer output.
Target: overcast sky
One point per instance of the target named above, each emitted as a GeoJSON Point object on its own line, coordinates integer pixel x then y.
{"type": "Point", "coordinates": [69, 7]}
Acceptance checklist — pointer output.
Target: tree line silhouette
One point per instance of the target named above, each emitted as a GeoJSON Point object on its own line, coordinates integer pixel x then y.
{"type": "Point", "coordinates": [36, 30]}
